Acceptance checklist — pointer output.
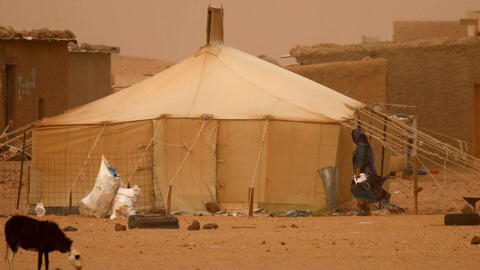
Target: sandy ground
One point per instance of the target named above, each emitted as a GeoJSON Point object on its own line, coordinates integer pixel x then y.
{"type": "Point", "coordinates": [349, 242]}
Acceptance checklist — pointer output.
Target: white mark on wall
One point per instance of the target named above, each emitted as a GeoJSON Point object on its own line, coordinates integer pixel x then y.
{"type": "Point", "coordinates": [27, 84]}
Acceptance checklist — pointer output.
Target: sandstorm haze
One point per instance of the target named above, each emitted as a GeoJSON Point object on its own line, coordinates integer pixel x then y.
{"type": "Point", "coordinates": [172, 30]}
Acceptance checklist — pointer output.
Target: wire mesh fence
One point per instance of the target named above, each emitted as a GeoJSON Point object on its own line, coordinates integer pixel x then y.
{"type": "Point", "coordinates": [58, 181]}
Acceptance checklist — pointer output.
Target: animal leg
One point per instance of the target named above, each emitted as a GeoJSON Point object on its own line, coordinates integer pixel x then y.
{"type": "Point", "coordinates": [10, 255]}
{"type": "Point", "coordinates": [46, 260]}
{"type": "Point", "coordinates": [40, 255]}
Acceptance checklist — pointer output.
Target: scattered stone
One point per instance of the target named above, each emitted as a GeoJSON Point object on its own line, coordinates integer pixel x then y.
{"type": "Point", "coordinates": [141, 252]}
{"type": "Point", "coordinates": [283, 243]}
{"type": "Point", "coordinates": [294, 226]}
{"type": "Point", "coordinates": [264, 242]}
{"type": "Point", "coordinates": [210, 226]}
{"type": "Point", "coordinates": [3, 216]}
{"type": "Point", "coordinates": [212, 207]}
{"type": "Point", "coordinates": [281, 226]}
{"type": "Point", "coordinates": [70, 229]}
{"type": "Point", "coordinates": [215, 246]}
{"type": "Point", "coordinates": [268, 250]}
{"type": "Point", "coordinates": [475, 240]}
{"type": "Point", "coordinates": [195, 226]}
{"type": "Point", "coordinates": [120, 227]}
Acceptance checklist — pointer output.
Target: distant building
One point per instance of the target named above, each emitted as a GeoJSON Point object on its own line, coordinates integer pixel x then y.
{"type": "Point", "coordinates": [439, 76]}
{"type": "Point", "coordinates": [414, 30]}
{"type": "Point", "coordinates": [43, 73]}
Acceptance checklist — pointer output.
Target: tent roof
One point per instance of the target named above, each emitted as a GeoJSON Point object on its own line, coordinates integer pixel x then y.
{"type": "Point", "coordinates": [223, 83]}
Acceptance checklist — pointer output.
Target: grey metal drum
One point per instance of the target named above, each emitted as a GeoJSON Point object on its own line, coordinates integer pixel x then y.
{"type": "Point", "coordinates": [329, 177]}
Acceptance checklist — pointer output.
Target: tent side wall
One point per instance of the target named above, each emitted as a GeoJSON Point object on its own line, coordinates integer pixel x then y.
{"type": "Point", "coordinates": [219, 169]}
{"type": "Point", "coordinates": [287, 174]}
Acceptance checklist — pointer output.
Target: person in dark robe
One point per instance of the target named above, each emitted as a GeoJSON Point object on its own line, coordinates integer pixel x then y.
{"type": "Point", "coordinates": [366, 186]}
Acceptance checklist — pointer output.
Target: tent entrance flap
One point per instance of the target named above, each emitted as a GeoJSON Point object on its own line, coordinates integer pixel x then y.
{"type": "Point", "coordinates": [195, 183]}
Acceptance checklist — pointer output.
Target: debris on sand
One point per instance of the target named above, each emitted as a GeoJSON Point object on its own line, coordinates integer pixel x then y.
{"type": "Point", "coordinates": [475, 240]}
{"type": "Point", "coordinates": [244, 227]}
{"type": "Point", "coordinates": [299, 213]}
{"type": "Point", "coordinates": [210, 226]}
{"type": "Point", "coordinates": [294, 226]}
{"type": "Point", "coordinates": [120, 227]}
{"type": "Point", "coordinates": [195, 226]}
{"type": "Point", "coordinates": [70, 229]}
{"type": "Point", "coordinates": [283, 243]}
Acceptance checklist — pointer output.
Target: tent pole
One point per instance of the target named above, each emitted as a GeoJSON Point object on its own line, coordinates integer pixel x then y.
{"type": "Point", "coordinates": [21, 169]}
{"type": "Point", "coordinates": [251, 192]}
{"type": "Point", "coordinates": [169, 199]}
{"type": "Point", "coordinates": [416, 188]}
{"type": "Point", "coordinates": [383, 145]}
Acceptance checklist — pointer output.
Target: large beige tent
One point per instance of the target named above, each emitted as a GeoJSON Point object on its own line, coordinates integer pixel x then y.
{"type": "Point", "coordinates": [222, 103]}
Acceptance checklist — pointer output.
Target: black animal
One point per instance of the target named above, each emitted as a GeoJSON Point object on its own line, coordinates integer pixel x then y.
{"type": "Point", "coordinates": [41, 236]}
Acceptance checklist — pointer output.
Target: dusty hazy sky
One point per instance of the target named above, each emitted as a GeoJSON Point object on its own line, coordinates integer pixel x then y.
{"type": "Point", "coordinates": [172, 30]}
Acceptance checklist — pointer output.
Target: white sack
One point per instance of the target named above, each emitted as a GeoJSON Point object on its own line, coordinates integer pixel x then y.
{"type": "Point", "coordinates": [99, 200]}
{"type": "Point", "coordinates": [124, 202]}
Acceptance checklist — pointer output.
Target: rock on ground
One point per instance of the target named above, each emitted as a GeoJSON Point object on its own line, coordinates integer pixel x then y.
{"type": "Point", "coordinates": [194, 226]}
{"type": "Point", "coordinates": [209, 226]}
{"type": "Point", "coordinates": [120, 227]}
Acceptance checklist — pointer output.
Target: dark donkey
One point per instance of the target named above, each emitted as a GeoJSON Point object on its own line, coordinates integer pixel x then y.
{"type": "Point", "coordinates": [41, 236]}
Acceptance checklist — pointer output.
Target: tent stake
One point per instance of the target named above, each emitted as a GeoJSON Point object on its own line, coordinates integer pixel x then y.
{"type": "Point", "coordinates": [169, 199]}
{"type": "Point", "coordinates": [21, 169]}
{"type": "Point", "coordinates": [415, 185]}
{"type": "Point", "coordinates": [250, 201]}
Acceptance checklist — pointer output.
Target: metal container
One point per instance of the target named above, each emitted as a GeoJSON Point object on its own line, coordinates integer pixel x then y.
{"type": "Point", "coordinates": [329, 177]}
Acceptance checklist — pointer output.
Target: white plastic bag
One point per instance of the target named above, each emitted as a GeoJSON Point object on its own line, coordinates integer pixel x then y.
{"type": "Point", "coordinates": [99, 200]}
{"type": "Point", "coordinates": [40, 209]}
{"type": "Point", "coordinates": [124, 202]}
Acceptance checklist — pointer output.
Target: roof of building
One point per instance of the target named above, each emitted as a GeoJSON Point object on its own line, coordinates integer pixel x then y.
{"type": "Point", "coordinates": [8, 33]}
{"type": "Point", "coordinates": [92, 48]}
{"type": "Point", "coordinates": [328, 48]}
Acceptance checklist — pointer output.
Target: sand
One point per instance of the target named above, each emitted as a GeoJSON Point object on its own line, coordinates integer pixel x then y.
{"type": "Point", "coordinates": [348, 242]}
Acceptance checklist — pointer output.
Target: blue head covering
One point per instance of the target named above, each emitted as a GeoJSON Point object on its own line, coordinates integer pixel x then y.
{"type": "Point", "coordinates": [359, 138]}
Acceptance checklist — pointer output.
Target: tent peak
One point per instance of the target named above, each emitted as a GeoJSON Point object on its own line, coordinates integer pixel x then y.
{"type": "Point", "coordinates": [214, 26]}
